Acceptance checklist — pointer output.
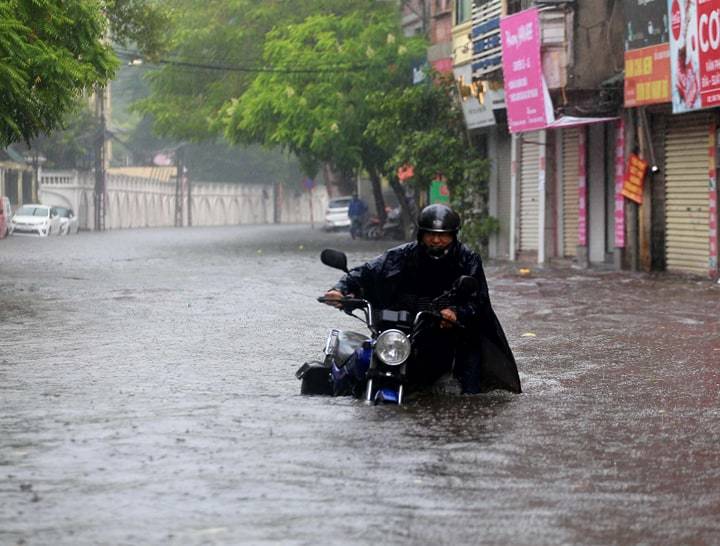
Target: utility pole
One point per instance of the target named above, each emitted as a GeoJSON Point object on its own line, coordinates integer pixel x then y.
{"type": "Point", "coordinates": [100, 187]}
{"type": "Point", "coordinates": [179, 175]}
{"type": "Point", "coordinates": [186, 179]}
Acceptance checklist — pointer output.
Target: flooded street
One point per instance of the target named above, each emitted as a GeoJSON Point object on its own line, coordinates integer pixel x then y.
{"type": "Point", "coordinates": [147, 396]}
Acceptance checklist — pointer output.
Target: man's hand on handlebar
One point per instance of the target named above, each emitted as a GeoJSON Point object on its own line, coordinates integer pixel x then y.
{"type": "Point", "coordinates": [449, 315]}
{"type": "Point", "coordinates": [333, 298]}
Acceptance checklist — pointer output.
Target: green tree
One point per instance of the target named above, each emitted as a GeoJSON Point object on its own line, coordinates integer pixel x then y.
{"type": "Point", "coordinates": [423, 126]}
{"type": "Point", "coordinates": [318, 106]}
{"type": "Point", "coordinates": [138, 23]}
{"type": "Point", "coordinates": [51, 51]}
{"type": "Point", "coordinates": [71, 147]}
{"type": "Point", "coordinates": [214, 51]}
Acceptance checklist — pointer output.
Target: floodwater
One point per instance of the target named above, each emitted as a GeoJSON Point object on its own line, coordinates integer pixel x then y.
{"type": "Point", "coordinates": [147, 396]}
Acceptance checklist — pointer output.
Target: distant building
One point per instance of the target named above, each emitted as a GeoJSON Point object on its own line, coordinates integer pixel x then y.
{"type": "Point", "coordinates": [18, 179]}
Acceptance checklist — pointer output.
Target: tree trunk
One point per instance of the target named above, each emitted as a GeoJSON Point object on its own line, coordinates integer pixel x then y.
{"type": "Point", "coordinates": [408, 206]}
{"type": "Point", "coordinates": [337, 183]}
{"type": "Point", "coordinates": [377, 194]}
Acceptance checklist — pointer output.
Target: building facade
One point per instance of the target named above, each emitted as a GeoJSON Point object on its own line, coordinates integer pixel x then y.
{"type": "Point", "coordinates": [18, 177]}
{"type": "Point", "coordinates": [622, 106]}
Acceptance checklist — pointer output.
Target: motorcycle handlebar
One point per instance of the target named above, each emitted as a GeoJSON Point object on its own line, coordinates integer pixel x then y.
{"type": "Point", "coordinates": [439, 317]}
{"type": "Point", "coordinates": [344, 301]}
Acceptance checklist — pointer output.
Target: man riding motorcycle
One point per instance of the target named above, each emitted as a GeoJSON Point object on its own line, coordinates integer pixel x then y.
{"type": "Point", "coordinates": [410, 276]}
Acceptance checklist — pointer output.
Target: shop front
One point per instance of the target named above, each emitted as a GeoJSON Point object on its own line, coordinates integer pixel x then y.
{"type": "Point", "coordinates": [691, 195]}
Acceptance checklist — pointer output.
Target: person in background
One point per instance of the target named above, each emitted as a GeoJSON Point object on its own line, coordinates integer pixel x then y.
{"type": "Point", "coordinates": [356, 212]}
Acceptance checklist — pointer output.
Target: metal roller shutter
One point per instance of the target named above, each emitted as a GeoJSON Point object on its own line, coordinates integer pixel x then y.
{"type": "Point", "coordinates": [687, 204]}
{"type": "Point", "coordinates": [529, 205]}
{"type": "Point", "coordinates": [571, 171]}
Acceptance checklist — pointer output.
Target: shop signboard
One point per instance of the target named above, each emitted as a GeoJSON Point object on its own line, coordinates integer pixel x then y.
{"type": "Point", "coordinates": [476, 114]}
{"type": "Point", "coordinates": [647, 76]}
{"type": "Point", "coordinates": [528, 101]}
{"type": "Point", "coordinates": [443, 66]}
{"type": "Point", "coordinates": [439, 192]}
{"type": "Point", "coordinates": [647, 52]}
{"type": "Point", "coordinates": [694, 54]}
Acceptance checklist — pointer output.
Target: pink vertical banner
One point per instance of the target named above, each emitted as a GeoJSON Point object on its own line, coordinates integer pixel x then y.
{"type": "Point", "coordinates": [522, 69]}
{"type": "Point", "coordinates": [582, 187]}
{"type": "Point", "coordinates": [713, 203]}
{"type": "Point", "coordinates": [619, 181]}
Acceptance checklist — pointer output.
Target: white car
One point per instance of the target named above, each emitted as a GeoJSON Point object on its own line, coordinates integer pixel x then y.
{"type": "Point", "coordinates": [336, 213]}
{"type": "Point", "coordinates": [68, 221]}
{"type": "Point", "coordinates": [40, 220]}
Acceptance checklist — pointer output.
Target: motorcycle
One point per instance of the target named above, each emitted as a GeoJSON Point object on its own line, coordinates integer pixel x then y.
{"type": "Point", "coordinates": [393, 226]}
{"type": "Point", "coordinates": [373, 366]}
{"type": "Point", "coordinates": [372, 229]}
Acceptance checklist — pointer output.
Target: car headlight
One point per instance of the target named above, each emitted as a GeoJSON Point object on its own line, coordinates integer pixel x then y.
{"type": "Point", "coordinates": [392, 347]}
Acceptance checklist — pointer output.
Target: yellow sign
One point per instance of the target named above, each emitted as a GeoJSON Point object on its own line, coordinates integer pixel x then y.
{"type": "Point", "coordinates": [634, 178]}
{"type": "Point", "coordinates": [647, 75]}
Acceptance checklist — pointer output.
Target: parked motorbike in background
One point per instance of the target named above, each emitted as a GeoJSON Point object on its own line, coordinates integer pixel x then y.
{"type": "Point", "coordinates": [392, 228]}
{"type": "Point", "coordinates": [373, 228]}
{"type": "Point", "coordinates": [374, 366]}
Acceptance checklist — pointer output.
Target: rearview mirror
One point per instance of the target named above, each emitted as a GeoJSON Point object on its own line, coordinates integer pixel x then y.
{"type": "Point", "coordinates": [334, 258]}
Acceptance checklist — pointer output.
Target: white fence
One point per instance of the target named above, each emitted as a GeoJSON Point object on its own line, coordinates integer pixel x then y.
{"type": "Point", "coordinates": [133, 202]}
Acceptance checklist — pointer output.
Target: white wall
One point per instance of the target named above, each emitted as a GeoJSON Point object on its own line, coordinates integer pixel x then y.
{"type": "Point", "coordinates": [134, 202]}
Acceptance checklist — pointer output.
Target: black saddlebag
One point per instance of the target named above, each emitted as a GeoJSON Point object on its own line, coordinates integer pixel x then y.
{"type": "Point", "coordinates": [314, 378]}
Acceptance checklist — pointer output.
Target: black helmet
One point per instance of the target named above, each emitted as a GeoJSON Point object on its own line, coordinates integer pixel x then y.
{"type": "Point", "coordinates": [438, 219]}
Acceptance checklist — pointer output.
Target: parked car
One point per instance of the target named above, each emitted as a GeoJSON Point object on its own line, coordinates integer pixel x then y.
{"type": "Point", "coordinates": [68, 221]}
{"type": "Point", "coordinates": [336, 213]}
{"type": "Point", "coordinates": [41, 220]}
{"type": "Point", "coordinates": [5, 216]}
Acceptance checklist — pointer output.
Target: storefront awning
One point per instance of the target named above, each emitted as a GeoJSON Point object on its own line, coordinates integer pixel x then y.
{"type": "Point", "coordinates": [573, 121]}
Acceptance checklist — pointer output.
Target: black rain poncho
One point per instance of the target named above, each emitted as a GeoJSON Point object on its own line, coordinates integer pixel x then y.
{"type": "Point", "coordinates": [406, 273]}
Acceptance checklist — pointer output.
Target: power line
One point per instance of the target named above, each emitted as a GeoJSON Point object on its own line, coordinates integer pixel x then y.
{"type": "Point", "coordinates": [329, 69]}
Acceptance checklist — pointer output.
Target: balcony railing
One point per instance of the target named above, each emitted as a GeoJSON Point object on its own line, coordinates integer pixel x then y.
{"type": "Point", "coordinates": [487, 51]}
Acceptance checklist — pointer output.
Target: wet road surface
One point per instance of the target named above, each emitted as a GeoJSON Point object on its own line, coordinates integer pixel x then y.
{"type": "Point", "coordinates": [147, 396]}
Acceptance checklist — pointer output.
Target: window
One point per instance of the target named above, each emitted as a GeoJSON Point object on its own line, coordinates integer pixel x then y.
{"type": "Point", "coordinates": [513, 6]}
{"type": "Point", "coordinates": [463, 11]}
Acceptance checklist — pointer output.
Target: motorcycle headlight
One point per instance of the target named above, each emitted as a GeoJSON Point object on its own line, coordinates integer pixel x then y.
{"type": "Point", "coordinates": [392, 347]}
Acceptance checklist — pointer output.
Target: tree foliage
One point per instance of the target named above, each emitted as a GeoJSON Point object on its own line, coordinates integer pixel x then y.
{"type": "Point", "coordinates": [71, 147]}
{"type": "Point", "coordinates": [318, 106]}
{"type": "Point", "coordinates": [423, 126]}
{"type": "Point", "coordinates": [215, 51]}
{"type": "Point", "coordinates": [140, 23]}
{"type": "Point", "coordinates": [51, 51]}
